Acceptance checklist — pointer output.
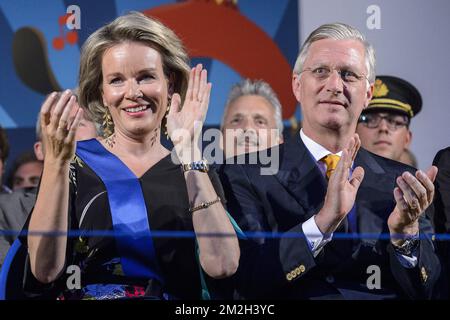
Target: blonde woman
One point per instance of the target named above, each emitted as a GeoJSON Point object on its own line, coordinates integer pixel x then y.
{"type": "Point", "coordinates": [135, 80]}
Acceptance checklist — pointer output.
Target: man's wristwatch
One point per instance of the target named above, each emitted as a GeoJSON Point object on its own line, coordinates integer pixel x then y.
{"type": "Point", "coordinates": [201, 166]}
{"type": "Point", "coordinates": [408, 247]}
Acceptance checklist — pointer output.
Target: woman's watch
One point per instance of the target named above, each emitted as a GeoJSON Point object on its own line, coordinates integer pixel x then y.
{"type": "Point", "coordinates": [201, 166]}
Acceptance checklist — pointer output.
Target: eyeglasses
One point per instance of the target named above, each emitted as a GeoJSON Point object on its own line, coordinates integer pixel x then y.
{"type": "Point", "coordinates": [394, 121]}
{"type": "Point", "coordinates": [322, 73]}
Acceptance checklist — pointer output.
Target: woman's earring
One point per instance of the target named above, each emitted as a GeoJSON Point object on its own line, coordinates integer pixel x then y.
{"type": "Point", "coordinates": [107, 124]}
{"type": "Point", "coordinates": [164, 121]}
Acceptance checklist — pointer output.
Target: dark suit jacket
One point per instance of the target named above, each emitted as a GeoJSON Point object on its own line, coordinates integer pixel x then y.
{"type": "Point", "coordinates": [14, 211]}
{"type": "Point", "coordinates": [441, 213]}
{"type": "Point", "coordinates": [442, 184]}
{"type": "Point", "coordinates": [285, 268]}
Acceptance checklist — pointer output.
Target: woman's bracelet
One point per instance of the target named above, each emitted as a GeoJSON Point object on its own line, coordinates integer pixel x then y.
{"type": "Point", "coordinates": [204, 205]}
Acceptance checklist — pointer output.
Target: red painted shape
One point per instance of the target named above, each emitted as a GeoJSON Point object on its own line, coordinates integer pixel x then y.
{"type": "Point", "coordinates": [223, 33]}
{"type": "Point", "coordinates": [71, 36]}
{"type": "Point", "coordinates": [58, 43]}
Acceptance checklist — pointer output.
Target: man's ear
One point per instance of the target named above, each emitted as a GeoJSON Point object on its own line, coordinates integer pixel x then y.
{"type": "Point", "coordinates": [296, 86]}
{"type": "Point", "coordinates": [408, 139]}
{"type": "Point", "coordinates": [369, 94]}
{"type": "Point", "coordinates": [39, 150]}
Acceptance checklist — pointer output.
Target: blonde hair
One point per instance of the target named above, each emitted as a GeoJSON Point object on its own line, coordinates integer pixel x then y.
{"type": "Point", "coordinates": [135, 27]}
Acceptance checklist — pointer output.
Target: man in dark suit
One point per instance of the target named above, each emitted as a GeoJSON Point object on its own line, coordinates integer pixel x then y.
{"type": "Point", "coordinates": [442, 199]}
{"type": "Point", "coordinates": [325, 186]}
{"type": "Point", "coordinates": [14, 210]}
{"type": "Point", "coordinates": [441, 211]}
{"type": "Point", "coordinates": [252, 118]}
{"type": "Point", "coordinates": [15, 207]}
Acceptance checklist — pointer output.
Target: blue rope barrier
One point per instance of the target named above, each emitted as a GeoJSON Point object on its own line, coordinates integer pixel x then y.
{"type": "Point", "coordinates": [192, 234]}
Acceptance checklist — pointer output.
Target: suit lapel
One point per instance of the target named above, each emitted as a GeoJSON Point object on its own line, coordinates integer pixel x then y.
{"type": "Point", "coordinates": [299, 174]}
{"type": "Point", "coordinates": [27, 202]}
{"type": "Point", "coordinates": [372, 202]}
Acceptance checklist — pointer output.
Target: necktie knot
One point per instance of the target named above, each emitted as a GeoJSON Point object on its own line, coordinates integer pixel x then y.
{"type": "Point", "coordinates": [331, 162]}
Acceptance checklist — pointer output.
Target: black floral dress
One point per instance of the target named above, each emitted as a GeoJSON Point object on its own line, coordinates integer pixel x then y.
{"type": "Point", "coordinates": [96, 254]}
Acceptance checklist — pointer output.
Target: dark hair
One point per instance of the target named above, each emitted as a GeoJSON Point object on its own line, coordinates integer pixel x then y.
{"type": "Point", "coordinates": [24, 158]}
{"type": "Point", "coordinates": [4, 145]}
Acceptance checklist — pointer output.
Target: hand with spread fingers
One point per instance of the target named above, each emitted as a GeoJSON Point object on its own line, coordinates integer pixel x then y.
{"type": "Point", "coordinates": [58, 128]}
{"type": "Point", "coordinates": [184, 124]}
{"type": "Point", "coordinates": [413, 195]}
{"type": "Point", "coordinates": [342, 189]}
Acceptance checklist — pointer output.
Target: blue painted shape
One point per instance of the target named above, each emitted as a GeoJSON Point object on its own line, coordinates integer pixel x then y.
{"type": "Point", "coordinates": [18, 101]}
{"type": "Point", "coordinates": [287, 36]}
{"type": "Point", "coordinates": [267, 14]}
{"type": "Point", "coordinates": [23, 13]}
{"type": "Point", "coordinates": [222, 79]}
{"type": "Point", "coordinates": [5, 120]}
{"type": "Point", "coordinates": [94, 14]}
{"type": "Point", "coordinates": [206, 62]}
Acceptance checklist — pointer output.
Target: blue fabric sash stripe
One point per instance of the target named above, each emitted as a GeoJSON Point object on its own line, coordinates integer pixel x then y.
{"type": "Point", "coordinates": [128, 210]}
{"type": "Point", "coordinates": [6, 268]}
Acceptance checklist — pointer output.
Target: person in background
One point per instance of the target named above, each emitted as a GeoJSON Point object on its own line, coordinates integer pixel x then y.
{"type": "Point", "coordinates": [26, 171]}
{"type": "Point", "coordinates": [252, 118]}
{"type": "Point", "coordinates": [383, 126]}
{"type": "Point", "coordinates": [4, 152]}
{"type": "Point", "coordinates": [440, 214]}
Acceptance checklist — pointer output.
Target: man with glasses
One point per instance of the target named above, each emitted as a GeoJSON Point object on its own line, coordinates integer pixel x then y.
{"type": "Point", "coordinates": [334, 221]}
{"type": "Point", "coordinates": [384, 125]}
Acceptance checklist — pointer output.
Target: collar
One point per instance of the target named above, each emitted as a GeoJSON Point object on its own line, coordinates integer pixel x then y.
{"type": "Point", "coordinates": [316, 150]}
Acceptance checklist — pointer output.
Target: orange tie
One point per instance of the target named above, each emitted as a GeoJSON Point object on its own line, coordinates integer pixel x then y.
{"type": "Point", "coordinates": [331, 162]}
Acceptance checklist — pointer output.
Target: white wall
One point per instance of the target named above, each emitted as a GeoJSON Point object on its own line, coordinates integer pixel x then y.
{"type": "Point", "coordinates": [413, 43]}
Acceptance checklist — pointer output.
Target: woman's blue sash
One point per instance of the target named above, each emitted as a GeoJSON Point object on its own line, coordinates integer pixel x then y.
{"type": "Point", "coordinates": [128, 210]}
